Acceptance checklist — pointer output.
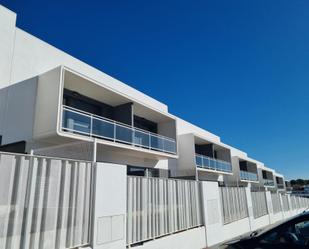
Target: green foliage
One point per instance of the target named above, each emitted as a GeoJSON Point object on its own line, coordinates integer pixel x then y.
{"type": "Point", "coordinates": [299, 182]}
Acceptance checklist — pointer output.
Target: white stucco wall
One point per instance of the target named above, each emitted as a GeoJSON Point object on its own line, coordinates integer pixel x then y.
{"type": "Point", "coordinates": [17, 105]}
{"type": "Point", "coordinates": [184, 127]}
{"type": "Point", "coordinates": [24, 56]}
{"type": "Point", "coordinates": [190, 239]}
{"type": "Point", "coordinates": [7, 35]}
{"type": "Point", "coordinates": [109, 230]}
{"type": "Point", "coordinates": [33, 56]}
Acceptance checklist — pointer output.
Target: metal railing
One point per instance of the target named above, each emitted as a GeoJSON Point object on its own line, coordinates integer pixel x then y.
{"type": "Point", "coordinates": [234, 204]}
{"type": "Point", "coordinates": [259, 203]}
{"type": "Point", "coordinates": [83, 123]}
{"type": "Point", "coordinates": [45, 202]}
{"type": "Point", "coordinates": [249, 176]}
{"type": "Point", "coordinates": [268, 182]}
{"type": "Point", "coordinates": [280, 185]}
{"type": "Point", "coordinates": [159, 206]}
{"type": "Point", "coordinates": [206, 162]}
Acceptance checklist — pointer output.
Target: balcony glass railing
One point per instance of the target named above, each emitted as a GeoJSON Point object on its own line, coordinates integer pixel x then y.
{"type": "Point", "coordinates": [248, 176]}
{"type": "Point", "coordinates": [206, 162]}
{"type": "Point", "coordinates": [83, 123]}
{"type": "Point", "coordinates": [280, 185]}
{"type": "Point", "coordinates": [268, 182]}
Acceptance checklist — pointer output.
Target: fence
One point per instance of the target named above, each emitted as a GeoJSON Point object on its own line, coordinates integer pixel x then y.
{"type": "Point", "coordinates": [285, 202]}
{"type": "Point", "coordinates": [234, 204]}
{"type": "Point", "coordinates": [259, 203]}
{"type": "Point", "coordinates": [293, 202]}
{"type": "Point", "coordinates": [157, 207]}
{"type": "Point", "coordinates": [44, 202]}
{"type": "Point", "coordinates": [275, 199]}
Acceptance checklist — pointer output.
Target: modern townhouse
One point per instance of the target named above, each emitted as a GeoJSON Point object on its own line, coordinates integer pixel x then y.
{"type": "Point", "coordinates": [88, 161]}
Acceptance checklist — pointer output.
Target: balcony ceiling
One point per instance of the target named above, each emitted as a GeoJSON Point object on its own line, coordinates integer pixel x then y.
{"type": "Point", "coordinates": [90, 89]}
{"type": "Point", "coordinates": [202, 141]}
{"type": "Point", "coordinates": [83, 86]}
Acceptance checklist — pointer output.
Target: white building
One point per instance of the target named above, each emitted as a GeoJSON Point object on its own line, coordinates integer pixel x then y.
{"type": "Point", "coordinates": [53, 104]}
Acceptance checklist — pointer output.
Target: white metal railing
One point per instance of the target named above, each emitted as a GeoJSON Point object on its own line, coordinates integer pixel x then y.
{"type": "Point", "coordinates": [159, 206]}
{"type": "Point", "coordinates": [83, 123]}
{"type": "Point", "coordinates": [259, 203]}
{"type": "Point", "coordinates": [44, 202]}
{"type": "Point", "coordinates": [280, 185]}
{"type": "Point", "coordinates": [249, 176]}
{"type": "Point", "coordinates": [234, 204]}
{"type": "Point", "coordinates": [285, 202]}
{"type": "Point", "coordinates": [212, 164]}
{"type": "Point", "coordinates": [276, 203]}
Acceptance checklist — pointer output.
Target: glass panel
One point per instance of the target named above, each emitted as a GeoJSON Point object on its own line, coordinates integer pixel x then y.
{"type": "Point", "coordinates": [198, 160]}
{"type": "Point", "coordinates": [124, 134]}
{"type": "Point", "coordinates": [81, 123]}
{"type": "Point", "coordinates": [141, 138]}
{"type": "Point", "coordinates": [76, 122]}
{"type": "Point", "coordinates": [156, 143]}
{"type": "Point", "coordinates": [169, 146]}
{"type": "Point", "coordinates": [212, 164]}
{"type": "Point", "coordinates": [102, 128]}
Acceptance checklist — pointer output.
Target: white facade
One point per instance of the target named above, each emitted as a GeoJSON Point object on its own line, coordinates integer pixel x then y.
{"type": "Point", "coordinates": [117, 126]}
{"type": "Point", "coordinates": [31, 69]}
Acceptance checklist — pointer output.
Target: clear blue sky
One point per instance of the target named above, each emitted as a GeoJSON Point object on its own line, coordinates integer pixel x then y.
{"type": "Point", "coordinates": [239, 69]}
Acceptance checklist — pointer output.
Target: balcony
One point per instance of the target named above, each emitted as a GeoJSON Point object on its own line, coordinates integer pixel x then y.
{"type": "Point", "coordinates": [83, 123]}
{"type": "Point", "coordinates": [248, 176]}
{"type": "Point", "coordinates": [280, 185]}
{"type": "Point", "coordinates": [269, 183]}
{"type": "Point", "coordinates": [205, 162]}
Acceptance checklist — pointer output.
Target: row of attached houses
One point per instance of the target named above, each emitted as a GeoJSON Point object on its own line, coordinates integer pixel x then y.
{"type": "Point", "coordinates": [51, 103]}
{"type": "Point", "coordinates": [87, 161]}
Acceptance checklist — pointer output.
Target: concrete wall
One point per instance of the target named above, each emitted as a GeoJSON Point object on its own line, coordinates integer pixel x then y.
{"type": "Point", "coordinates": [24, 56]}
{"type": "Point", "coordinates": [109, 230]}
{"type": "Point", "coordinates": [7, 34]}
{"type": "Point", "coordinates": [186, 161]}
{"type": "Point", "coordinates": [47, 108]}
{"type": "Point", "coordinates": [191, 239]}
{"type": "Point", "coordinates": [17, 105]}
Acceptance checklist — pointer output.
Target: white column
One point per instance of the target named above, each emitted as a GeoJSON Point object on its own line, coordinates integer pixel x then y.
{"type": "Point", "coordinates": [109, 227]}
{"type": "Point", "coordinates": [250, 208]}
{"type": "Point", "coordinates": [270, 207]}
{"type": "Point", "coordinates": [212, 212]}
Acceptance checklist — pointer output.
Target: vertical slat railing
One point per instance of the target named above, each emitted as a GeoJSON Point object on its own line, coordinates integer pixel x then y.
{"type": "Point", "coordinates": [44, 202]}
{"type": "Point", "coordinates": [159, 206]}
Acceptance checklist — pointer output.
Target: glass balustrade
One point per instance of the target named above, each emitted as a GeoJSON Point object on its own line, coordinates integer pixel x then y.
{"type": "Point", "coordinates": [249, 176]}
{"type": "Point", "coordinates": [268, 182]}
{"type": "Point", "coordinates": [79, 122]}
{"type": "Point", "coordinates": [280, 185]}
{"type": "Point", "coordinates": [213, 164]}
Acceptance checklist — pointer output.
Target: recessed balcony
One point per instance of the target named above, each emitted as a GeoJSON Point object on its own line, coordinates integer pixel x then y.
{"type": "Point", "coordinates": [247, 170]}
{"type": "Point", "coordinates": [79, 122]}
{"type": "Point", "coordinates": [268, 178]}
{"type": "Point", "coordinates": [269, 182]}
{"type": "Point", "coordinates": [206, 162]}
{"type": "Point", "coordinates": [248, 176]}
{"type": "Point", "coordinates": [280, 182]}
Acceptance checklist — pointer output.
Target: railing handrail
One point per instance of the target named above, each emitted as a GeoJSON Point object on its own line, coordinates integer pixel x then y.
{"type": "Point", "coordinates": [212, 158]}
{"type": "Point", "coordinates": [43, 157]}
{"type": "Point", "coordinates": [88, 114]}
{"type": "Point", "coordinates": [244, 173]}
{"type": "Point", "coordinates": [248, 172]}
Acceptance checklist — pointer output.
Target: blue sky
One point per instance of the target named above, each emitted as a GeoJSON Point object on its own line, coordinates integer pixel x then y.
{"type": "Point", "coordinates": [236, 68]}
